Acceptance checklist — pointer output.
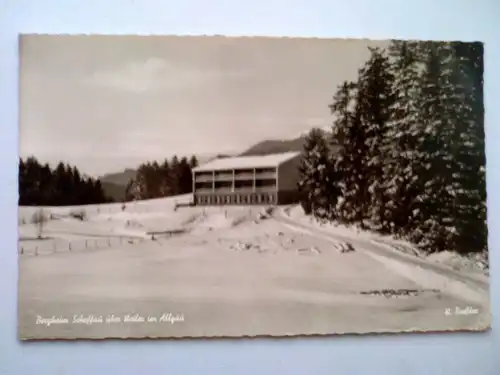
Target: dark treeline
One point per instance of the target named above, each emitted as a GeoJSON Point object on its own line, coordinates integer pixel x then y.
{"type": "Point", "coordinates": [40, 185]}
{"type": "Point", "coordinates": [154, 180]}
{"type": "Point", "coordinates": [406, 155]}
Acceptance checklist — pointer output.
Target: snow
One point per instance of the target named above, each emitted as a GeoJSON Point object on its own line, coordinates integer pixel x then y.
{"type": "Point", "coordinates": [475, 264]}
{"type": "Point", "coordinates": [230, 271]}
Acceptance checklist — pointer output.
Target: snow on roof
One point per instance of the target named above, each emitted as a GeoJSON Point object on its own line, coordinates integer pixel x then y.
{"type": "Point", "coordinates": [242, 162]}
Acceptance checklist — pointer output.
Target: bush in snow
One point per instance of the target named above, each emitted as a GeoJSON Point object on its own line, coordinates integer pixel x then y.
{"type": "Point", "coordinates": [39, 218]}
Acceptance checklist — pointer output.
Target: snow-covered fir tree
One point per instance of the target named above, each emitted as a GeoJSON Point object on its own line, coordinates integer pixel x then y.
{"type": "Point", "coordinates": [375, 100]}
{"type": "Point", "coordinates": [405, 132]}
{"type": "Point", "coordinates": [350, 139]}
{"type": "Point", "coordinates": [316, 185]}
{"type": "Point", "coordinates": [407, 148]}
{"type": "Point", "coordinates": [464, 75]}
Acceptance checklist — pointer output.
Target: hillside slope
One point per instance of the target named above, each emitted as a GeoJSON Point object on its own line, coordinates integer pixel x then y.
{"type": "Point", "coordinates": [275, 147]}
{"type": "Point", "coordinates": [119, 178]}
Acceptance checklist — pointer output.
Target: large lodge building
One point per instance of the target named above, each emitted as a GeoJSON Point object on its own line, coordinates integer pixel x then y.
{"type": "Point", "coordinates": [269, 179]}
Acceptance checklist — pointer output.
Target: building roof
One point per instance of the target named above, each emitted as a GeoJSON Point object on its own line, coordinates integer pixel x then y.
{"type": "Point", "coordinates": [243, 162]}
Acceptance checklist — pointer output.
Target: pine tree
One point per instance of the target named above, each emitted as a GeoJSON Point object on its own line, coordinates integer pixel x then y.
{"type": "Point", "coordinates": [435, 205]}
{"type": "Point", "coordinates": [193, 162]}
{"type": "Point", "coordinates": [340, 138]}
{"type": "Point", "coordinates": [60, 185]}
{"type": "Point", "coordinates": [47, 190]}
{"type": "Point", "coordinates": [375, 99]}
{"type": "Point", "coordinates": [464, 70]}
{"type": "Point", "coordinates": [185, 176]}
{"type": "Point", "coordinates": [141, 188]}
{"type": "Point", "coordinates": [23, 183]}
{"type": "Point", "coordinates": [405, 132]}
{"type": "Point", "coordinates": [39, 185]}
{"type": "Point", "coordinates": [32, 181]}
{"type": "Point", "coordinates": [174, 175]}
{"type": "Point", "coordinates": [155, 180]}
{"type": "Point", "coordinates": [99, 196]}
{"type": "Point", "coordinates": [349, 136]}
{"type": "Point", "coordinates": [166, 177]}
{"type": "Point", "coordinates": [316, 176]}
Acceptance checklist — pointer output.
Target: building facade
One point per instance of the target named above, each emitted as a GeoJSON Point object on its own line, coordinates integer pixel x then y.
{"type": "Point", "coordinates": [247, 180]}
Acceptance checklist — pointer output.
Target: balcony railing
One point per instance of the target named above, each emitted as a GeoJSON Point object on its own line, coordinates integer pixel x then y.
{"type": "Point", "coordinates": [238, 177]}
{"type": "Point", "coordinates": [203, 178]}
{"type": "Point", "coordinates": [223, 177]}
{"type": "Point", "coordinates": [265, 175]}
{"type": "Point", "coordinates": [243, 176]}
{"type": "Point", "coordinates": [244, 190]}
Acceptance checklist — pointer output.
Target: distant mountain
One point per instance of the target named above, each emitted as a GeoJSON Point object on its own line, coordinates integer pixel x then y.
{"type": "Point", "coordinates": [114, 191]}
{"type": "Point", "coordinates": [115, 184]}
{"type": "Point", "coordinates": [276, 146]}
{"type": "Point", "coordinates": [120, 178]}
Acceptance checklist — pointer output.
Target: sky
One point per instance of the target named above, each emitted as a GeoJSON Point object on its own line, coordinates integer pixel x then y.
{"type": "Point", "coordinates": [106, 103]}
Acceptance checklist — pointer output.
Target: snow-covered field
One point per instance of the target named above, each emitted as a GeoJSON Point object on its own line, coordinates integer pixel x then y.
{"type": "Point", "coordinates": [230, 271]}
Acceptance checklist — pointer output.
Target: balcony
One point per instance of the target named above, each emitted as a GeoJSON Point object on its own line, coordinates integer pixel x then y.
{"type": "Point", "coordinates": [241, 190]}
{"type": "Point", "coordinates": [203, 178]}
{"type": "Point", "coordinates": [239, 176]}
{"type": "Point", "coordinates": [224, 177]}
{"type": "Point", "coordinates": [265, 175]}
{"type": "Point", "coordinates": [243, 176]}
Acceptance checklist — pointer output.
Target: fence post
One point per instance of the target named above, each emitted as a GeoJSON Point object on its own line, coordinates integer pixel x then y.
{"type": "Point", "coordinates": [36, 250]}
{"type": "Point", "coordinates": [86, 245]}
{"type": "Point", "coordinates": [69, 246]}
{"type": "Point", "coordinates": [109, 242]}
{"type": "Point", "coordinates": [22, 250]}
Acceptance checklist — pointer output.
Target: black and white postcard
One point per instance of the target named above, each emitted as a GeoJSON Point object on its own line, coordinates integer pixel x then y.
{"type": "Point", "coordinates": [211, 186]}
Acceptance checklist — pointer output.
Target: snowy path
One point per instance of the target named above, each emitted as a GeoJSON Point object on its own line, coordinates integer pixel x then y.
{"type": "Point", "coordinates": [233, 277]}
{"type": "Point", "coordinates": [469, 287]}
